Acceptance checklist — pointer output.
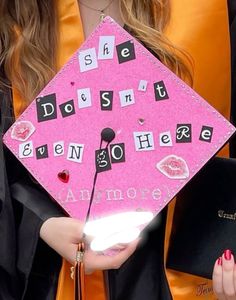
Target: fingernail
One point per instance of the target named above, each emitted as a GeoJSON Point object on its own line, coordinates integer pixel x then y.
{"type": "Point", "coordinates": [219, 261]}
{"type": "Point", "coordinates": [227, 254]}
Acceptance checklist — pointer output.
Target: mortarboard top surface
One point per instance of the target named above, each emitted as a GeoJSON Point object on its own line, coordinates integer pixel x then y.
{"type": "Point", "coordinates": [164, 131]}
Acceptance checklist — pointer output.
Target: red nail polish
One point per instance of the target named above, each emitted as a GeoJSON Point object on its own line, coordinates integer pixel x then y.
{"type": "Point", "coordinates": [227, 254]}
{"type": "Point", "coordinates": [219, 261]}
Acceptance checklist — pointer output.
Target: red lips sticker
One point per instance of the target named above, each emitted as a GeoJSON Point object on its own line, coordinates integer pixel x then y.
{"type": "Point", "coordinates": [64, 176]}
{"type": "Point", "coordinates": [173, 167]}
{"type": "Point", "coordinates": [22, 130]}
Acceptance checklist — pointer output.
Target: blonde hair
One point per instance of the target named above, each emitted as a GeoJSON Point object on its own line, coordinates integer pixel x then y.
{"type": "Point", "coordinates": [29, 35]}
{"type": "Point", "coordinates": [28, 39]}
{"type": "Point", "coordinates": [147, 20]}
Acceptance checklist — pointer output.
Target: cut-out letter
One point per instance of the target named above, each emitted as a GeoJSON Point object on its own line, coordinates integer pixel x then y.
{"type": "Point", "coordinates": [88, 60]}
{"type": "Point", "coordinates": [144, 141]}
{"type": "Point", "coordinates": [106, 47]}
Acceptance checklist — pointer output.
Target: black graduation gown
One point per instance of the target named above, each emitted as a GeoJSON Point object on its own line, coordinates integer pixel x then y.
{"type": "Point", "coordinates": [28, 267]}
{"type": "Point", "coordinates": [9, 283]}
{"type": "Point", "coordinates": [232, 24]}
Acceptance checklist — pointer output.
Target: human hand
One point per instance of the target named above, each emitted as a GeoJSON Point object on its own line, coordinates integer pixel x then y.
{"type": "Point", "coordinates": [64, 234]}
{"type": "Point", "coordinates": [224, 277]}
{"type": "Point", "coordinates": [119, 228]}
{"type": "Point", "coordinates": [98, 261]}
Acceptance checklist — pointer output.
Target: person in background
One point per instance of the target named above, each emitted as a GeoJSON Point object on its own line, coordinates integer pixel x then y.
{"type": "Point", "coordinates": [36, 39]}
{"type": "Point", "coordinates": [224, 274]}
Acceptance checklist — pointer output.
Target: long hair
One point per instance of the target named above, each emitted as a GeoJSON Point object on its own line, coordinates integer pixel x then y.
{"type": "Point", "coordinates": [28, 40]}
{"type": "Point", "coordinates": [29, 35]}
{"type": "Point", "coordinates": [147, 20]}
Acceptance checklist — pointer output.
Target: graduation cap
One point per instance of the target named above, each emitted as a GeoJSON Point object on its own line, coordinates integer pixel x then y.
{"type": "Point", "coordinates": [116, 133]}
